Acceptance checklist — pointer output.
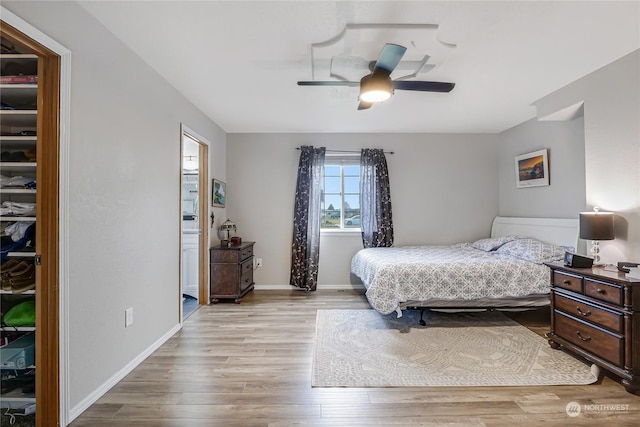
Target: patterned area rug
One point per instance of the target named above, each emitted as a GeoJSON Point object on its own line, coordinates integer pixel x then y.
{"type": "Point", "coordinates": [363, 348]}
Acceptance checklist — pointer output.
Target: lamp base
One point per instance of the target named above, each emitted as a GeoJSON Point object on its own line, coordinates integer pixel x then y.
{"type": "Point", "coordinates": [595, 253]}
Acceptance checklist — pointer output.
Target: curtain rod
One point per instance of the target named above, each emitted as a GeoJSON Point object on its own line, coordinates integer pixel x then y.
{"type": "Point", "coordinates": [349, 151]}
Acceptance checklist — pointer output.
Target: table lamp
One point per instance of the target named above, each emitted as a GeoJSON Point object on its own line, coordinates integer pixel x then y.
{"type": "Point", "coordinates": [228, 226]}
{"type": "Point", "coordinates": [596, 226]}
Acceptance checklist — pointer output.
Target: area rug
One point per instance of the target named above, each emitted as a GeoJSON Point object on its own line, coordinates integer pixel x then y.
{"type": "Point", "coordinates": [362, 348]}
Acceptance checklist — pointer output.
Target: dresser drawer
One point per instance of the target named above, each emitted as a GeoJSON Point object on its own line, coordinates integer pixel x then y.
{"type": "Point", "coordinates": [598, 342]}
{"type": "Point", "coordinates": [245, 253]}
{"type": "Point", "coordinates": [232, 254]}
{"type": "Point", "coordinates": [590, 313]}
{"type": "Point", "coordinates": [567, 281]}
{"type": "Point", "coordinates": [603, 291]}
{"type": "Point", "coordinates": [246, 280]}
{"type": "Point", "coordinates": [246, 266]}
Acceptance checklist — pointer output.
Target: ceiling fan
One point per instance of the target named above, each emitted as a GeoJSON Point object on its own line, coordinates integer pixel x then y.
{"type": "Point", "coordinates": [378, 86]}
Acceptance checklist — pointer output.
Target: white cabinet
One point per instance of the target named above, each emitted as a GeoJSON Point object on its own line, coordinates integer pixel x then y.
{"type": "Point", "coordinates": [190, 262]}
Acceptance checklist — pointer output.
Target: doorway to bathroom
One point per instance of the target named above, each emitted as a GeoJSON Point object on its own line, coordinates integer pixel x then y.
{"type": "Point", "coordinates": [194, 214]}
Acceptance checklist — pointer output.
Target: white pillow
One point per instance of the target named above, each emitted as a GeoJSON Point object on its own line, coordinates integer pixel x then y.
{"type": "Point", "coordinates": [492, 243]}
{"type": "Point", "coordinates": [532, 250]}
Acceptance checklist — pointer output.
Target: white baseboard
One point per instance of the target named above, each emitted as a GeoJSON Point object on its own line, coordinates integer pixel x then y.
{"type": "Point", "coordinates": [334, 287]}
{"type": "Point", "coordinates": [118, 376]}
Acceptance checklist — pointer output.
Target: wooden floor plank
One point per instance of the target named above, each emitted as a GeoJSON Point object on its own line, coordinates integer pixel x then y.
{"type": "Point", "coordinates": [249, 365]}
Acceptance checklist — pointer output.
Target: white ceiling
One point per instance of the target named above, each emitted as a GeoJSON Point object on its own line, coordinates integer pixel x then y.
{"type": "Point", "coordinates": [239, 61]}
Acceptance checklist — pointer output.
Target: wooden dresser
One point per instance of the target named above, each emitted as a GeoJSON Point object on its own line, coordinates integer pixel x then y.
{"type": "Point", "coordinates": [231, 272]}
{"type": "Point", "coordinates": [596, 314]}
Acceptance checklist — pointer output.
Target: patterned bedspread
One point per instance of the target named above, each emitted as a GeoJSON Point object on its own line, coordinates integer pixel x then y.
{"type": "Point", "coordinates": [453, 272]}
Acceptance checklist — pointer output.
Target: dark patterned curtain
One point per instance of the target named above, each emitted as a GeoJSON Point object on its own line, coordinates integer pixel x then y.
{"type": "Point", "coordinates": [375, 199]}
{"type": "Point", "coordinates": [305, 251]}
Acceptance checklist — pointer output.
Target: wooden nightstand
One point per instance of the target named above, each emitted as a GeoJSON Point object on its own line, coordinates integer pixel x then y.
{"type": "Point", "coordinates": [596, 314]}
{"type": "Point", "coordinates": [231, 271]}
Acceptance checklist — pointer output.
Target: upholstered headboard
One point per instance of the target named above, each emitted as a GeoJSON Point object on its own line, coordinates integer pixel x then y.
{"type": "Point", "coordinates": [559, 231]}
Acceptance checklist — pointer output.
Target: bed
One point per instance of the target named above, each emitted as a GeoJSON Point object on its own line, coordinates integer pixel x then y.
{"type": "Point", "coordinates": [504, 271]}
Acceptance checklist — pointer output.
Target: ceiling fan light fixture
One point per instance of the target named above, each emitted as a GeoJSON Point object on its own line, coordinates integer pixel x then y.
{"type": "Point", "coordinates": [375, 88]}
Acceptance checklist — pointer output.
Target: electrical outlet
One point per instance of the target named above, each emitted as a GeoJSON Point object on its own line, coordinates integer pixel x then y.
{"type": "Point", "coordinates": [258, 262]}
{"type": "Point", "coordinates": [128, 317]}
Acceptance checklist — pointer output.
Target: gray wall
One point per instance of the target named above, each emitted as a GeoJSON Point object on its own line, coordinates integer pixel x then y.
{"type": "Point", "coordinates": [124, 202]}
{"type": "Point", "coordinates": [443, 189]}
{"type": "Point", "coordinates": [565, 196]}
{"type": "Point", "coordinates": [611, 98]}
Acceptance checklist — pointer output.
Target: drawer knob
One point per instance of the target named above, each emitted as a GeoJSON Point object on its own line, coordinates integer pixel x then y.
{"type": "Point", "coordinates": [600, 291]}
{"type": "Point", "coordinates": [584, 313]}
{"type": "Point", "coordinates": [587, 338]}
{"type": "Point", "coordinates": [566, 282]}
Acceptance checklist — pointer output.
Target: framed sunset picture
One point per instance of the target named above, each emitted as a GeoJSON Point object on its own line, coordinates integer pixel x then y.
{"type": "Point", "coordinates": [532, 169]}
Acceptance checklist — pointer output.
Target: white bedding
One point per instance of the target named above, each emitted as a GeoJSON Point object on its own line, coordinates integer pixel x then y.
{"type": "Point", "coordinates": [394, 276]}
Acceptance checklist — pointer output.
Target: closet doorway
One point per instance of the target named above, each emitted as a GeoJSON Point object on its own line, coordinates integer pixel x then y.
{"type": "Point", "coordinates": [194, 231]}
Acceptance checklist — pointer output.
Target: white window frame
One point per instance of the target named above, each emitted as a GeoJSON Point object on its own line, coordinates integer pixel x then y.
{"type": "Point", "coordinates": [341, 159]}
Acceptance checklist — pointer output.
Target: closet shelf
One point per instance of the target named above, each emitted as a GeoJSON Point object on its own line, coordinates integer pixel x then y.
{"type": "Point", "coordinates": [3, 292]}
{"type": "Point", "coordinates": [18, 164]}
{"type": "Point", "coordinates": [18, 56]}
{"type": "Point", "coordinates": [18, 112]}
{"type": "Point", "coordinates": [18, 138]}
{"type": "Point", "coordinates": [18, 191]}
{"type": "Point", "coordinates": [17, 218]}
{"type": "Point", "coordinates": [18, 328]}
{"type": "Point", "coordinates": [21, 254]}
{"type": "Point", "coordinates": [16, 397]}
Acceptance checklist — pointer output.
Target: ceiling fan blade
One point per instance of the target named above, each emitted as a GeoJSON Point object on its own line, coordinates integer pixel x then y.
{"type": "Point", "coordinates": [389, 58]}
{"type": "Point", "coordinates": [423, 86]}
{"type": "Point", "coordinates": [327, 83]}
{"type": "Point", "coordinates": [363, 105]}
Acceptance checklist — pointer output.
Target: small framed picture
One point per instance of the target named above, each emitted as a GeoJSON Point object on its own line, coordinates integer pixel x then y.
{"type": "Point", "coordinates": [532, 169]}
{"type": "Point", "coordinates": [218, 193]}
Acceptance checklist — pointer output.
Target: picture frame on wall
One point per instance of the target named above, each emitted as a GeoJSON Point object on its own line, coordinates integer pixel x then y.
{"type": "Point", "coordinates": [532, 169]}
{"type": "Point", "coordinates": [218, 193]}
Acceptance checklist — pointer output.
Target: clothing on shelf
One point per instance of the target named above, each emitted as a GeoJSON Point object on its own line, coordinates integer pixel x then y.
{"type": "Point", "coordinates": [18, 209]}
{"type": "Point", "coordinates": [17, 182]}
{"type": "Point", "coordinates": [10, 245]}
{"type": "Point", "coordinates": [18, 230]}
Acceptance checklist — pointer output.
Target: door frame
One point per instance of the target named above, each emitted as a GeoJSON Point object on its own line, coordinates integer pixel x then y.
{"type": "Point", "coordinates": [52, 392]}
{"type": "Point", "coordinates": [203, 215]}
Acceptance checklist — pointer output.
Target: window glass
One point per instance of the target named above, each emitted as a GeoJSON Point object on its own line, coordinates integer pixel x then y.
{"type": "Point", "coordinates": [331, 185]}
{"type": "Point", "coordinates": [352, 184]}
{"type": "Point", "coordinates": [331, 170]}
{"type": "Point", "coordinates": [352, 170]}
{"type": "Point", "coordinates": [341, 194]}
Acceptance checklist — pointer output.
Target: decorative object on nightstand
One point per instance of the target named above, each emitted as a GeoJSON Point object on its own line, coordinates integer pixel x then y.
{"type": "Point", "coordinates": [231, 272]}
{"type": "Point", "coordinates": [596, 226]}
{"type": "Point", "coordinates": [227, 226]}
{"type": "Point", "coordinates": [578, 261]}
{"type": "Point", "coordinates": [595, 313]}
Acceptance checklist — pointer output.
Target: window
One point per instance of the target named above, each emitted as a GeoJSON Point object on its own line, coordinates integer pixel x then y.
{"type": "Point", "coordinates": [340, 206]}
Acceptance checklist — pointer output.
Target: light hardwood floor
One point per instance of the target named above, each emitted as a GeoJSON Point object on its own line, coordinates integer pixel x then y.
{"type": "Point", "coordinates": [249, 364]}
